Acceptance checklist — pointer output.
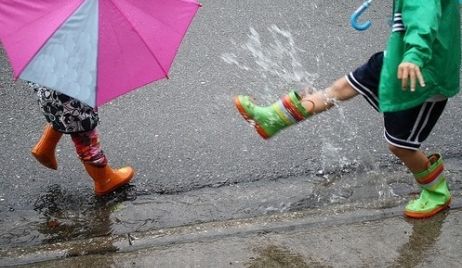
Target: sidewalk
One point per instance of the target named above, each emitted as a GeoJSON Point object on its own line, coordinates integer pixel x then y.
{"type": "Point", "coordinates": [342, 236]}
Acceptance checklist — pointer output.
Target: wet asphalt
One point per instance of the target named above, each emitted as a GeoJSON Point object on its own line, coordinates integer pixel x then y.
{"type": "Point", "coordinates": [196, 160]}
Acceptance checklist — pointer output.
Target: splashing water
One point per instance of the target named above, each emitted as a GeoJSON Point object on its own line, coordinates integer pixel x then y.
{"type": "Point", "coordinates": [274, 59]}
{"type": "Point", "coordinates": [276, 63]}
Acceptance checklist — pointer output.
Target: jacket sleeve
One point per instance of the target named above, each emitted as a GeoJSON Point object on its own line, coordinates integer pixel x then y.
{"type": "Point", "coordinates": [421, 18]}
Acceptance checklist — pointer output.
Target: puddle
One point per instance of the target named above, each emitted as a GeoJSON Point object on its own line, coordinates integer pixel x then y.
{"type": "Point", "coordinates": [279, 257]}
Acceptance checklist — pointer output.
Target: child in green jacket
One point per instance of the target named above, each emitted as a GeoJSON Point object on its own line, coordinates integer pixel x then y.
{"type": "Point", "coordinates": [410, 83]}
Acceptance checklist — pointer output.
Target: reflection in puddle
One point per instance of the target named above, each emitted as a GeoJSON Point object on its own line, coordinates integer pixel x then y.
{"type": "Point", "coordinates": [422, 241]}
{"type": "Point", "coordinates": [67, 216]}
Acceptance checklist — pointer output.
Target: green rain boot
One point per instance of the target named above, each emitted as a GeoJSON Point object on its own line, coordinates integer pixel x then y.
{"type": "Point", "coordinates": [271, 119]}
{"type": "Point", "coordinates": [435, 195]}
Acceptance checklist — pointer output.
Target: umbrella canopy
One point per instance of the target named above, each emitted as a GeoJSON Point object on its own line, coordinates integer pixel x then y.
{"type": "Point", "coordinates": [93, 50]}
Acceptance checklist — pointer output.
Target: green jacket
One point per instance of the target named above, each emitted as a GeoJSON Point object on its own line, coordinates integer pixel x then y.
{"type": "Point", "coordinates": [426, 33]}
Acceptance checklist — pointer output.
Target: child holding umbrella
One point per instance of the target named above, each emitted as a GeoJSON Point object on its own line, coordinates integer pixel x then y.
{"type": "Point", "coordinates": [76, 60]}
{"type": "Point", "coordinates": [66, 115]}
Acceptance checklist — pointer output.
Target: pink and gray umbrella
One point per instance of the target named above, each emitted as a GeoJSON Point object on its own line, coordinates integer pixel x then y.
{"type": "Point", "coordinates": [93, 50]}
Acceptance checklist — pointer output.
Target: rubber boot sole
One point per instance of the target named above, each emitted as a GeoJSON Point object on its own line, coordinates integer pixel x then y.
{"type": "Point", "coordinates": [260, 130]}
{"type": "Point", "coordinates": [417, 215]}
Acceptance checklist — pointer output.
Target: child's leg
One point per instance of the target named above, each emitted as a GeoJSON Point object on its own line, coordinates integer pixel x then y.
{"type": "Point", "coordinates": [405, 131]}
{"type": "Point", "coordinates": [293, 108]}
{"type": "Point", "coordinates": [45, 149]}
{"type": "Point", "coordinates": [65, 115]}
{"type": "Point", "coordinates": [88, 147]}
{"type": "Point", "coordinates": [323, 100]}
{"type": "Point", "coordinates": [89, 150]}
{"type": "Point", "coordinates": [415, 160]}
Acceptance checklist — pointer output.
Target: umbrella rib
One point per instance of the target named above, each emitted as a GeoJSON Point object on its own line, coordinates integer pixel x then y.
{"type": "Point", "coordinates": [141, 37]}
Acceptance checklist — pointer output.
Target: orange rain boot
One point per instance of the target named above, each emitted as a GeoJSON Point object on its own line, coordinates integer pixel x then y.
{"type": "Point", "coordinates": [44, 150]}
{"type": "Point", "coordinates": [107, 179]}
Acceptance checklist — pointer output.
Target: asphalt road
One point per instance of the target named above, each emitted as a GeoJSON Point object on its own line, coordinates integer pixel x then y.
{"type": "Point", "coordinates": [184, 135]}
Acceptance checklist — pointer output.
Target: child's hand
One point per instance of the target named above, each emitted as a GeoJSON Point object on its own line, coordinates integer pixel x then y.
{"type": "Point", "coordinates": [409, 71]}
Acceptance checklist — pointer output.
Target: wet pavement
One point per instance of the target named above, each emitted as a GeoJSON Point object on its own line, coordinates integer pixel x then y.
{"type": "Point", "coordinates": [342, 237]}
{"type": "Point", "coordinates": [227, 223]}
{"type": "Point", "coordinates": [199, 163]}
